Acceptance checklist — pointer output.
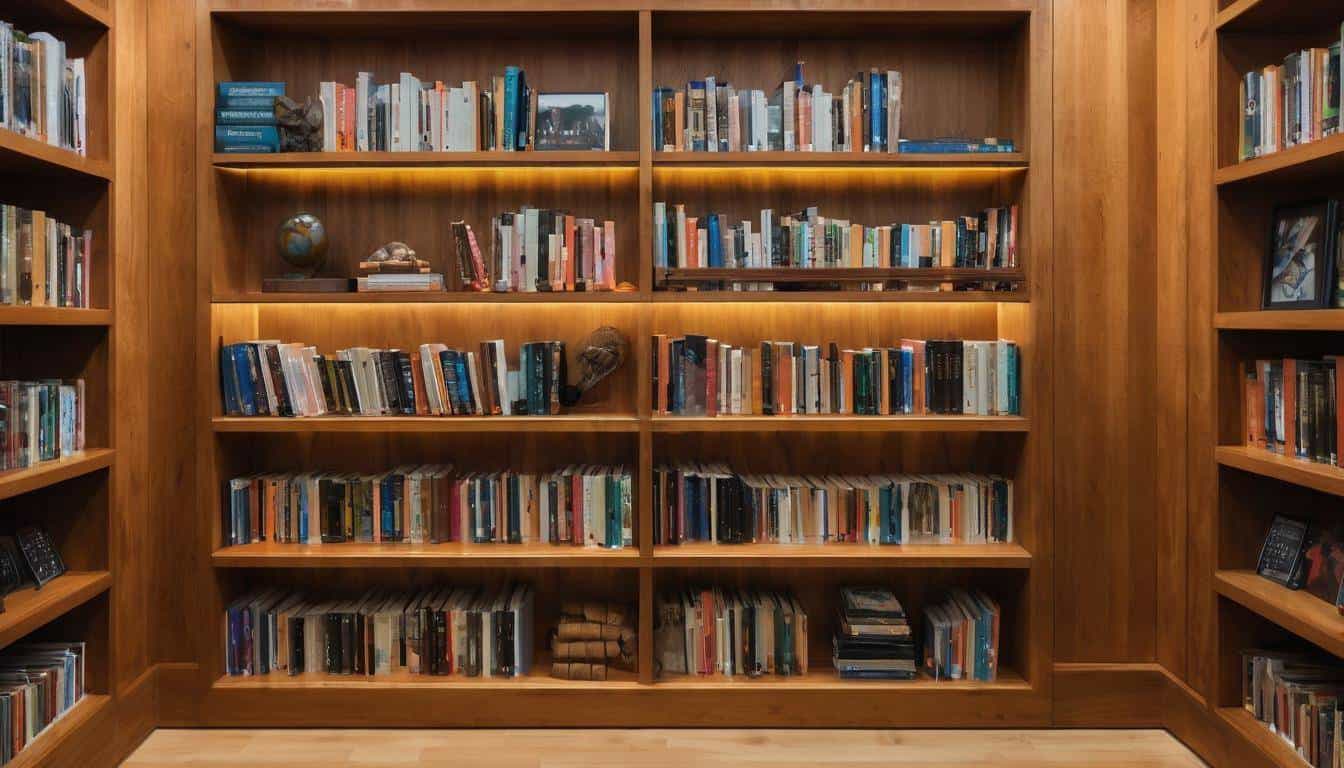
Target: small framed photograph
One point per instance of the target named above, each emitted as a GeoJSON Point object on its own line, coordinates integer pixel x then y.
{"type": "Point", "coordinates": [1299, 268]}
{"type": "Point", "coordinates": [573, 121]}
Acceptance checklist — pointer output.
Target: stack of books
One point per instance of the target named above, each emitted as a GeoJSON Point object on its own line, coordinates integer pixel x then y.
{"type": "Point", "coordinates": [725, 631]}
{"type": "Point", "coordinates": [39, 682]}
{"type": "Point", "coordinates": [467, 631]}
{"type": "Point", "coordinates": [270, 378]}
{"type": "Point", "coordinates": [42, 92]}
{"type": "Point", "coordinates": [713, 504]}
{"type": "Point", "coordinates": [872, 637]}
{"type": "Point", "coordinates": [43, 263]}
{"type": "Point", "coordinates": [961, 637]}
{"type": "Point", "coordinates": [44, 421]}
{"type": "Point", "coordinates": [1299, 697]}
{"type": "Point", "coordinates": [695, 375]}
{"type": "Point", "coordinates": [1296, 102]}
{"type": "Point", "coordinates": [245, 117]}
{"type": "Point", "coordinates": [535, 249]}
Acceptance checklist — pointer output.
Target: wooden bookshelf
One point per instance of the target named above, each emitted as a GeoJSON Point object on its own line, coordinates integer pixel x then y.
{"type": "Point", "coordinates": [851, 275]}
{"type": "Point", "coordinates": [59, 733]}
{"type": "Point", "coordinates": [35, 158]}
{"type": "Point", "coordinates": [1308, 474]}
{"type": "Point", "coordinates": [1296, 610]}
{"type": "Point", "coordinates": [1300, 320]}
{"type": "Point", "coordinates": [18, 315]}
{"type": "Point", "coordinates": [29, 608]}
{"type": "Point", "coordinates": [19, 481]}
{"type": "Point", "coordinates": [987, 53]}
{"type": "Point", "coordinates": [1259, 16]}
{"type": "Point", "coordinates": [1301, 163]}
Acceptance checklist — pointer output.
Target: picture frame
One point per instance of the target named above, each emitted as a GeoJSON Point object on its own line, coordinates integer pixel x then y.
{"type": "Point", "coordinates": [1299, 266]}
{"type": "Point", "coordinates": [573, 121]}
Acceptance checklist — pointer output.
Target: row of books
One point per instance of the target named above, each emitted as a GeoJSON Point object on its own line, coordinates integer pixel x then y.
{"type": "Point", "coordinates": [43, 262]}
{"type": "Point", "coordinates": [726, 631]}
{"type": "Point", "coordinates": [39, 682]}
{"type": "Point", "coordinates": [961, 637]}
{"type": "Point", "coordinates": [270, 378]}
{"type": "Point", "coordinates": [1292, 407]}
{"type": "Point", "coordinates": [245, 117]}
{"type": "Point", "coordinates": [695, 375]}
{"type": "Point", "coordinates": [711, 115]}
{"type": "Point", "coordinates": [714, 504]}
{"type": "Point", "coordinates": [437, 631]}
{"type": "Point", "coordinates": [806, 239]}
{"type": "Point", "coordinates": [42, 90]}
{"type": "Point", "coordinates": [42, 421]}
{"type": "Point", "coordinates": [539, 250]}
{"type": "Point", "coordinates": [1296, 102]}
{"type": "Point", "coordinates": [873, 639]}
{"type": "Point", "coordinates": [580, 505]}
{"type": "Point", "coordinates": [1299, 697]}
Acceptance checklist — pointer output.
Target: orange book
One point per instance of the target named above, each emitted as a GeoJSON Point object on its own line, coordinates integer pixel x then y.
{"type": "Point", "coordinates": [757, 388]}
{"type": "Point", "coordinates": [692, 243]}
{"type": "Point", "coordinates": [418, 384]}
{"type": "Point", "coordinates": [569, 252]}
{"type": "Point", "coordinates": [679, 121]}
{"type": "Point", "coordinates": [664, 348]}
{"type": "Point", "coordinates": [40, 244]}
{"type": "Point", "coordinates": [272, 492]}
{"type": "Point", "coordinates": [348, 127]}
{"type": "Point", "coordinates": [609, 254]}
{"type": "Point", "coordinates": [856, 245]}
{"type": "Point", "coordinates": [948, 258]}
{"type": "Point", "coordinates": [1289, 407]}
{"type": "Point", "coordinates": [804, 110]}
{"type": "Point", "coordinates": [1253, 395]}
{"type": "Point", "coordinates": [856, 117]}
{"type": "Point", "coordinates": [846, 382]}
{"type": "Point", "coordinates": [917, 395]}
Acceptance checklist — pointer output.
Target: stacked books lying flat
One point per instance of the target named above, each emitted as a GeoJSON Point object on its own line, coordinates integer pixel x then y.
{"type": "Point", "coordinates": [466, 631]}
{"type": "Point", "coordinates": [43, 421]}
{"type": "Point", "coordinates": [710, 115]}
{"type": "Point", "coordinates": [699, 376]}
{"type": "Point", "coordinates": [505, 114]}
{"type": "Point", "coordinates": [1300, 698]}
{"type": "Point", "coordinates": [712, 504]}
{"type": "Point", "coordinates": [591, 639]}
{"type": "Point", "coordinates": [872, 639]}
{"type": "Point", "coordinates": [961, 637]}
{"type": "Point", "coordinates": [270, 378]}
{"type": "Point", "coordinates": [245, 119]}
{"type": "Point", "coordinates": [725, 631]}
{"type": "Point", "coordinates": [1293, 103]}
{"type": "Point", "coordinates": [43, 263]}
{"type": "Point", "coordinates": [42, 91]}
{"type": "Point", "coordinates": [580, 505]}
{"type": "Point", "coordinates": [39, 682]}
{"type": "Point", "coordinates": [538, 250]}
{"type": "Point", "coordinates": [1291, 407]}
{"type": "Point", "coordinates": [806, 239]}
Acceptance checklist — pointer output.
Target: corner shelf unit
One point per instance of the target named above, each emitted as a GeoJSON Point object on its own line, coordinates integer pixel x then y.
{"type": "Point", "coordinates": [1251, 485]}
{"type": "Point", "coordinates": [996, 53]}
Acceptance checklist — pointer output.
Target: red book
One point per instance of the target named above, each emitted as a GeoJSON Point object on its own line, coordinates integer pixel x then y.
{"type": "Point", "coordinates": [576, 526]}
{"type": "Point", "coordinates": [348, 119]}
{"type": "Point", "coordinates": [1289, 408]}
{"type": "Point", "coordinates": [1253, 396]}
{"type": "Point", "coordinates": [570, 252]}
{"type": "Point", "coordinates": [711, 378]}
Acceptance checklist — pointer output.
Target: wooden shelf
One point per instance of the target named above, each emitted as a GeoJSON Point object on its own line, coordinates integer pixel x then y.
{"type": "Point", "coordinates": [1258, 734]}
{"type": "Point", "coordinates": [822, 297]}
{"type": "Point", "coordinates": [1282, 320]}
{"type": "Point", "coordinates": [20, 481]}
{"type": "Point", "coordinates": [823, 678]}
{"type": "Point", "coordinates": [1318, 159]}
{"type": "Point", "coordinates": [49, 741]}
{"type": "Point", "coordinates": [81, 13]}
{"type": "Point", "coordinates": [566, 423]}
{"type": "Point", "coordinates": [839, 159]}
{"type": "Point", "coordinates": [851, 274]}
{"type": "Point", "coordinates": [539, 679]}
{"type": "Point", "coordinates": [841, 424]}
{"type": "Point", "coordinates": [447, 160]}
{"type": "Point", "coordinates": [21, 315]}
{"type": "Point", "coordinates": [454, 555]}
{"type": "Point", "coordinates": [27, 609]}
{"type": "Point", "coordinates": [434, 297]}
{"type": "Point", "coordinates": [1321, 477]}
{"type": "Point", "coordinates": [20, 154]}
{"type": "Point", "coordinates": [842, 555]}
{"type": "Point", "coordinates": [1296, 610]}
{"type": "Point", "coordinates": [1276, 16]}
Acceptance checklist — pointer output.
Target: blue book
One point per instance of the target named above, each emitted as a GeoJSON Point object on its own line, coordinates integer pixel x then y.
{"type": "Point", "coordinates": [242, 365]}
{"type": "Point", "coordinates": [942, 146]}
{"type": "Point", "coordinates": [304, 501]}
{"type": "Point", "coordinates": [875, 101]}
{"type": "Point", "coordinates": [524, 109]}
{"type": "Point", "coordinates": [657, 119]}
{"type": "Point", "coordinates": [232, 136]}
{"type": "Point", "coordinates": [247, 102]}
{"type": "Point", "coordinates": [228, 385]}
{"type": "Point", "coordinates": [463, 383]}
{"type": "Point", "coordinates": [510, 107]}
{"type": "Point", "coordinates": [227, 92]}
{"type": "Point", "coordinates": [715, 249]}
{"type": "Point", "coordinates": [244, 116]}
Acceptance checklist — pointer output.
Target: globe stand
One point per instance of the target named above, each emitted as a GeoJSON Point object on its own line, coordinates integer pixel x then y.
{"type": "Point", "coordinates": [302, 244]}
{"type": "Point", "coordinates": [293, 283]}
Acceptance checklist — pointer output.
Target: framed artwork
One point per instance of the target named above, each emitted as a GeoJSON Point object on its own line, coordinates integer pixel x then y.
{"type": "Point", "coordinates": [1299, 266]}
{"type": "Point", "coordinates": [572, 121]}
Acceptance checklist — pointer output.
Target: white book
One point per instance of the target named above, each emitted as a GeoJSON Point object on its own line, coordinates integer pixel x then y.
{"type": "Point", "coordinates": [459, 129]}
{"type": "Point", "coordinates": [1002, 357]}
{"type": "Point", "coordinates": [767, 235]}
{"type": "Point", "coordinates": [821, 120]}
{"type": "Point", "coordinates": [53, 77]}
{"type": "Point", "coordinates": [81, 87]}
{"type": "Point", "coordinates": [438, 121]}
{"type": "Point", "coordinates": [471, 125]}
{"type": "Point", "coordinates": [531, 248]}
{"type": "Point", "coordinates": [363, 81]}
{"type": "Point", "coordinates": [407, 116]}
{"type": "Point", "coordinates": [848, 144]}
{"type": "Point", "coordinates": [327, 94]}
{"type": "Point", "coordinates": [760, 121]}
{"type": "Point", "coordinates": [313, 380]}
{"type": "Point", "coordinates": [746, 244]}
{"type": "Point", "coordinates": [790, 116]}
{"type": "Point", "coordinates": [681, 236]}
{"type": "Point", "coordinates": [711, 117]}
{"type": "Point", "coordinates": [660, 234]}
{"type": "Point", "coordinates": [6, 59]}
{"type": "Point", "coordinates": [501, 374]}
{"type": "Point", "coordinates": [970, 378]}
{"type": "Point", "coordinates": [504, 270]}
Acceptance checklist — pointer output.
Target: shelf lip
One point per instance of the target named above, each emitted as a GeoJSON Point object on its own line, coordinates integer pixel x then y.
{"type": "Point", "coordinates": [49, 741]}
{"type": "Point", "coordinates": [1271, 744]}
{"type": "Point", "coordinates": [1320, 477]}
{"type": "Point", "coordinates": [821, 297]}
{"type": "Point", "coordinates": [16, 482]}
{"type": "Point", "coordinates": [837, 274]}
{"type": "Point", "coordinates": [1304, 160]}
{"type": "Point", "coordinates": [826, 680]}
{"type": "Point", "coordinates": [1296, 610]}
{"type": "Point", "coordinates": [32, 156]}
{"type": "Point", "coordinates": [447, 160]}
{"type": "Point", "coordinates": [1281, 320]}
{"type": "Point", "coordinates": [28, 609]}
{"type": "Point", "coordinates": [433, 297]}
{"type": "Point", "coordinates": [26, 315]}
{"type": "Point", "coordinates": [396, 555]}
{"type": "Point", "coordinates": [563, 423]}
{"type": "Point", "coordinates": [538, 680]}
{"type": "Point", "coordinates": [1006, 556]}
{"type": "Point", "coordinates": [951, 423]}
{"type": "Point", "coordinates": [777, 159]}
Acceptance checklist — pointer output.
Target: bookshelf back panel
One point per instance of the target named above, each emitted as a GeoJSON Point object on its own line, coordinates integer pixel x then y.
{"type": "Point", "coordinates": [1247, 506]}
{"type": "Point", "coordinates": [82, 205]}
{"type": "Point", "coordinates": [365, 209]}
{"type": "Point", "coordinates": [819, 593]}
{"type": "Point", "coordinates": [331, 327]}
{"type": "Point", "coordinates": [847, 324]}
{"type": "Point", "coordinates": [1241, 629]}
{"type": "Point", "coordinates": [87, 623]}
{"type": "Point", "coordinates": [561, 52]}
{"type": "Point", "coordinates": [1236, 351]}
{"type": "Point", "coordinates": [961, 77]}
{"type": "Point", "coordinates": [74, 512]}
{"type": "Point", "coordinates": [52, 352]}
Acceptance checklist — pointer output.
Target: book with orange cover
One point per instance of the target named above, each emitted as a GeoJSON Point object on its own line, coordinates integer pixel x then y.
{"type": "Point", "coordinates": [1253, 395]}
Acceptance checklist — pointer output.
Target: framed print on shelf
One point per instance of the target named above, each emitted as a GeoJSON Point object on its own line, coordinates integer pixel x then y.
{"type": "Point", "coordinates": [1299, 266]}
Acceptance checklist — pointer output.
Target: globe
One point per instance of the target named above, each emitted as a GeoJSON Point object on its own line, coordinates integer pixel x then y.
{"type": "Point", "coordinates": [303, 243]}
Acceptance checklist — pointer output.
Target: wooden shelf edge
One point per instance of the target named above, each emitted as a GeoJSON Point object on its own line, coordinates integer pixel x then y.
{"type": "Point", "coordinates": [821, 297]}
{"type": "Point", "coordinates": [841, 424]}
{"type": "Point", "coordinates": [909, 160]}
{"type": "Point", "coordinates": [19, 315]}
{"type": "Point", "coordinates": [50, 741]}
{"type": "Point", "coordinates": [28, 609]}
{"type": "Point", "coordinates": [837, 274]}
{"type": "Point", "coordinates": [443, 160]}
{"type": "Point", "coordinates": [1321, 477]}
{"type": "Point", "coordinates": [1281, 320]}
{"type": "Point", "coordinates": [999, 556]}
{"type": "Point", "coordinates": [42, 155]}
{"type": "Point", "coordinates": [454, 555]}
{"type": "Point", "coordinates": [1295, 159]}
{"type": "Point", "coordinates": [433, 297]}
{"type": "Point", "coordinates": [1258, 734]}
{"type": "Point", "coordinates": [564, 423]}
{"type": "Point", "coordinates": [20, 481]}
{"type": "Point", "coordinates": [1297, 611]}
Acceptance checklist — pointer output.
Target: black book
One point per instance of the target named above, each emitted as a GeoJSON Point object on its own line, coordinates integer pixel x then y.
{"type": "Point", "coordinates": [407, 382]}
{"type": "Point", "coordinates": [346, 375]}
{"type": "Point", "coordinates": [296, 660]}
{"type": "Point", "coordinates": [441, 643]}
{"type": "Point", "coordinates": [278, 381]}
{"type": "Point", "coordinates": [448, 362]}
{"type": "Point", "coordinates": [767, 379]}
{"type": "Point", "coordinates": [654, 369]}
{"type": "Point", "coordinates": [359, 644]}
{"type": "Point", "coordinates": [331, 494]}
{"type": "Point", "coordinates": [332, 643]}
{"type": "Point", "coordinates": [390, 378]}
{"type": "Point", "coordinates": [347, 644]}
{"type": "Point", "coordinates": [263, 403]}
{"type": "Point", "coordinates": [473, 665]}
{"type": "Point", "coordinates": [503, 651]}
{"type": "Point", "coordinates": [895, 390]}
{"type": "Point", "coordinates": [327, 383]}
{"type": "Point", "coordinates": [694, 352]}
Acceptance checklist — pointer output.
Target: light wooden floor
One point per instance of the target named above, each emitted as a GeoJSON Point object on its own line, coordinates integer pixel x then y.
{"type": "Point", "coordinates": [660, 748]}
